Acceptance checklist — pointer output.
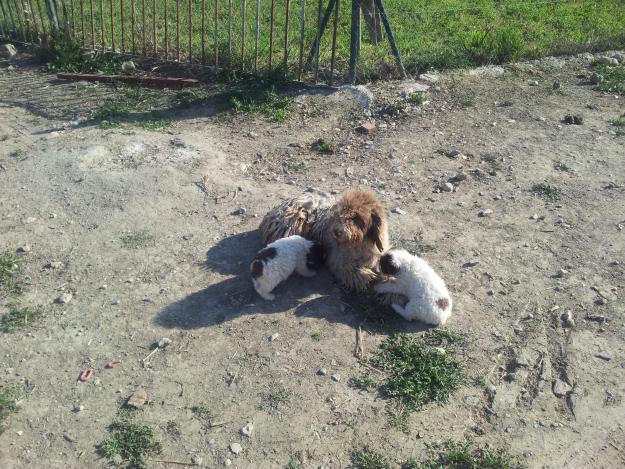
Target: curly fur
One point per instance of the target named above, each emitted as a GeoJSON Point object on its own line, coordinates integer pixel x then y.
{"type": "Point", "coordinates": [428, 298]}
{"type": "Point", "coordinates": [352, 230]}
{"type": "Point", "coordinates": [280, 259]}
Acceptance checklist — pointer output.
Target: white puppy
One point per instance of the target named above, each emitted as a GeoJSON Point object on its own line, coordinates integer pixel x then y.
{"type": "Point", "coordinates": [428, 298]}
{"type": "Point", "coordinates": [280, 259]}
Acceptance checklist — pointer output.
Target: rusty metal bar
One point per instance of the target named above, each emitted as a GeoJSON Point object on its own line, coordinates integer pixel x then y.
{"type": "Point", "coordinates": [122, 18]}
{"type": "Point", "coordinates": [178, 30]}
{"type": "Point", "coordinates": [334, 30]}
{"type": "Point", "coordinates": [286, 36]}
{"type": "Point", "coordinates": [133, 26]}
{"type": "Point", "coordinates": [256, 36]}
{"type": "Point", "coordinates": [190, 31]}
{"type": "Point", "coordinates": [302, 23]}
{"type": "Point", "coordinates": [82, 22]}
{"type": "Point", "coordinates": [216, 33]}
{"type": "Point", "coordinates": [243, 24]}
{"type": "Point", "coordinates": [229, 33]}
{"type": "Point", "coordinates": [318, 39]}
{"type": "Point", "coordinates": [165, 17]}
{"type": "Point", "coordinates": [354, 51]}
{"type": "Point", "coordinates": [271, 26]}
{"type": "Point", "coordinates": [143, 28]}
{"type": "Point", "coordinates": [92, 26]}
{"type": "Point", "coordinates": [203, 31]}
{"type": "Point", "coordinates": [391, 38]}
{"type": "Point", "coordinates": [323, 23]}
{"type": "Point", "coordinates": [154, 34]}
{"type": "Point", "coordinates": [112, 26]}
{"type": "Point", "coordinates": [102, 25]}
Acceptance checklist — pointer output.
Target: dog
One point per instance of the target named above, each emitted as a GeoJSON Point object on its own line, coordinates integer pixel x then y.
{"type": "Point", "coordinates": [280, 259]}
{"type": "Point", "coordinates": [352, 230]}
{"type": "Point", "coordinates": [428, 298]}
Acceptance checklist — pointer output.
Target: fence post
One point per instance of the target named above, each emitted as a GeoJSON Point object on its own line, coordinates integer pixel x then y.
{"type": "Point", "coordinates": [52, 13]}
{"type": "Point", "coordinates": [391, 38]}
{"type": "Point", "coordinates": [354, 46]}
{"type": "Point", "coordinates": [321, 28]}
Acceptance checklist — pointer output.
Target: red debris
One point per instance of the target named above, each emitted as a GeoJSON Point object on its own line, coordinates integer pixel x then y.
{"type": "Point", "coordinates": [86, 374]}
{"type": "Point", "coordinates": [113, 363]}
{"type": "Point", "coordinates": [165, 82]}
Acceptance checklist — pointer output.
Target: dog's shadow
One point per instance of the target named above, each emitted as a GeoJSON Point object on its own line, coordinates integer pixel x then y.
{"type": "Point", "coordinates": [314, 297]}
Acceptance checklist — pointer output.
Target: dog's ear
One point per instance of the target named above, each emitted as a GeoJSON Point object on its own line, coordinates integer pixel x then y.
{"type": "Point", "coordinates": [387, 266]}
{"type": "Point", "coordinates": [375, 232]}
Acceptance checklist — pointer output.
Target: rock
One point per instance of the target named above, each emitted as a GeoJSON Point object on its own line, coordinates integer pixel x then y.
{"type": "Point", "coordinates": [471, 263]}
{"type": "Point", "coordinates": [521, 361]}
{"type": "Point", "coordinates": [606, 61]}
{"type": "Point", "coordinates": [54, 265]}
{"type": "Point", "coordinates": [248, 429]}
{"type": "Point", "coordinates": [361, 94]}
{"type": "Point", "coordinates": [138, 398]}
{"type": "Point", "coordinates": [596, 78]}
{"type": "Point", "coordinates": [29, 220]}
{"type": "Point", "coordinates": [164, 342]}
{"type": "Point", "coordinates": [115, 302]}
{"type": "Point", "coordinates": [366, 128]}
{"type": "Point", "coordinates": [274, 336]}
{"type": "Point", "coordinates": [197, 460]}
{"type": "Point", "coordinates": [562, 273]}
{"type": "Point", "coordinates": [24, 248]}
{"type": "Point", "coordinates": [78, 408]}
{"type": "Point", "coordinates": [561, 388]}
{"type": "Point", "coordinates": [228, 462]}
{"type": "Point", "coordinates": [567, 319]}
{"type": "Point", "coordinates": [485, 213]}
{"type": "Point", "coordinates": [65, 298]}
{"type": "Point", "coordinates": [8, 51]}
{"type": "Point", "coordinates": [429, 77]}
{"type": "Point", "coordinates": [534, 217]}
{"type": "Point", "coordinates": [532, 83]}
{"type": "Point", "coordinates": [336, 377]}
{"type": "Point", "coordinates": [601, 301]}
{"type": "Point", "coordinates": [398, 211]}
{"type": "Point", "coordinates": [446, 187]}
{"type": "Point", "coordinates": [322, 371]}
{"type": "Point", "coordinates": [440, 350]}
{"type": "Point", "coordinates": [236, 448]}
{"type": "Point", "coordinates": [619, 56]}
{"type": "Point", "coordinates": [187, 237]}
{"type": "Point", "coordinates": [571, 119]}
{"type": "Point", "coordinates": [556, 85]}
{"type": "Point", "coordinates": [603, 356]}
{"type": "Point", "coordinates": [128, 66]}
{"type": "Point", "coordinates": [239, 211]}
{"type": "Point", "coordinates": [177, 142]}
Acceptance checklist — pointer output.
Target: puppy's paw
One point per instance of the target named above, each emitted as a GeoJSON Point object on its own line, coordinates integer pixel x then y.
{"type": "Point", "coordinates": [267, 296]}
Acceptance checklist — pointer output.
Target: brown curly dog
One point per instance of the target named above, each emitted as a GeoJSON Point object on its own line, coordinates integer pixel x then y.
{"type": "Point", "coordinates": [352, 230]}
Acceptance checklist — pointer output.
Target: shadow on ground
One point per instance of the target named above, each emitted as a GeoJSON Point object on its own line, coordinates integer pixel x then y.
{"type": "Point", "coordinates": [317, 297]}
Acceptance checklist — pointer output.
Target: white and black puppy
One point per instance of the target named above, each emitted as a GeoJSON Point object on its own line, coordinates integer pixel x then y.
{"type": "Point", "coordinates": [280, 259]}
{"type": "Point", "coordinates": [428, 298]}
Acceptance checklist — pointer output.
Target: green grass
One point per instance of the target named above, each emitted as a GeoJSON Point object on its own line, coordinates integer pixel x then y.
{"type": "Point", "coordinates": [547, 191]}
{"type": "Point", "coordinates": [130, 441]}
{"type": "Point", "coordinates": [154, 124]}
{"type": "Point", "coordinates": [136, 239]}
{"type": "Point", "coordinates": [417, 374]}
{"type": "Point", "coordinates": [10, 274]}
{"type": "Point", "coordinates": [323, 147]}
{"type": "Point", "coordinates": [464, 456]}
{"type": "Point", "coordinates": [8, 405]}
{"type": "Point", "coordinates": [614, 79]}
{"type": "Point", "coordinates": [364, 382]}
{"type": "Point", "coordinates": [367, 459]}
{"type": "Point", "coordinates": [293, 463]}
{"type": "Point", "coordinates": [172, 428]}
{"type": "Point", "coordinates": [417, 98]}
{"type": "Point", "coordinates": [259, 97]}
{"type": "Point", "coordinates": [18, 318]}
{"type": "Point", "coordinates": [296, 165]}
{"type": "Point", "coordinates": [619, 122]}
{"type": "Point", "coordinates": [18, 153]}
{"type": "Point", "coordinates": [275, 398]}
{"type": "Point", "coordinates": [316, 336]}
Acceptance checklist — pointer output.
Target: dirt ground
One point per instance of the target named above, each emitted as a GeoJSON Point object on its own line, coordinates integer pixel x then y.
{"type": "Point", "coordinates": [143, 225]}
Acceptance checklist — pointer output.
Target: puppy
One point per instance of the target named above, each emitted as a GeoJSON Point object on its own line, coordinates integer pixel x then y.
{"type": "Point", "coordinates": [280, 259]}
{"type": "Point", "coordinates": [352, 230]}
{"type": "Point", "coordinates": [428, 298]}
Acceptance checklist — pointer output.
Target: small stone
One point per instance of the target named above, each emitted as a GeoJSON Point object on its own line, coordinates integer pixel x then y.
{"type": "Point", "coordinates": [573, 119]}
{"type": "Point", "coordinates": [239, 211]}
{"type": "Point", "coordinates": [619, 56]}
{"type": "Point", "coordinates": [336, 377]}
{"type": "Point", "coordinates": [596, 78]}
{"type": "Point", "coordinates": [485, 213]}
{"type": "Point", "coordinates": [24, 248]}
{"type": "Point", "coordinates": [440, 350]}
{"type": "Point", "coordinates": [78, 408]}
{"type": "Point", "coordinates": [253, 135]}
{"type": "Point", "coordinates": [274, 336]}
{"type": "Point", "coordinates": [603, 356]}
{"type": "Point", "coordinates": [228, 462]}
{"type": "Point", "coordinates": [54, 265]}
{"type": "Point", "coordinates": [19, 433]}
{"type": "Point", "coordinates": [236, 448]}
{"type": "Point", "coordinates": [322, 371]}
{"type": "Point", "coordinates": [601, 301]}
{"type": "Point", "coordinates": [606, 61]}
{"type": "Point", "coordinates": [447, 187]}
{"type": "Point", "coordinates": [197, 460]}
{"type": "Point", "coordinates": [248, 429]}
{"type": "Point", "coordinates": [177, 142]}
{"type": "Point", "coordinates": [64, 298]}
{"type": "Point", "coordinates": [128, 66]}
{"type": "Point", "coordinates": [532, 83]}
{"type": "Point", "coordinates": [471, 263]}
{"type": "Point", "coordinates": [187, 237]}
{"type": "Point", "coordinates": [30, 220]}
{"type": "Point", "coordinates": [429, 77]}
{"type": "Point", "coordinates": [521, 361]}
{"type": "Point", "coordinates": [398, 211]}
{"type": "Point", "coordinates": [561, 388]}
{"type": "Point", "coordinates": [164, 342]}
{"type": "Point", "coordinates": [562, 273]}
{"type": "Point", "coordinates": [138, 398]}
{"type": "Point", "coordinates": [567, 319]}
{"type": "Point", "coordinates": [8, 51]}
{"type": "Point", "coordinates": [534, 217]}
{"type": "Point", "coordinates": [115, 302]}
{"type": "Point", "coordinates": [366, 128]}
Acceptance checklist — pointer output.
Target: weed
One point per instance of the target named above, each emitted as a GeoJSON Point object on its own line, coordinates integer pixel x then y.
{"type": "Point", "coordinates": [438, 337]}
{"type": "Point", "coordinates": [363, 382]}
{"type": "Point", "coordinates": [614, 79]}
{"type": "Point", "coordinates": [293, 463]}
{"type": "Point", "coordinates": [467, 102]}
{"type": "Point", "coordinates": [368, 459]}
{"type": "Point", "coordinates": [137, 239]}
{"type": "Point", "coordinates": [462, 456]}
{"type": "Point", "coordinates": [492, 159]}
{"type": "Point", "coordinates": [480, 381]}
{"type": "Point", "coordinates": [153, 124]}
{"type": "Point", "coordinates": [547, 191]}
{"type": "Point", "coordinates": [4, 137]}
{"type": "Point", "coordinates": [296, 165]}
{"type": "Point", "coordinates": [10, 274]}
{"type": "Point", "coordinates": [8, 404]}
{"type": "Point", "coordinates": [18, 318]}
{"type": "Point", "coordinates": [259, 97]}
{"type": "Point", "coordinates": [127, 100]}
{"type": "Point", "coordinates": [417, 98]}
{"type": "Point", "coordinates": [322, 146]}
{"type": "Point", "coordinates": [418, 374]}
{"type": "Point", "coordinates": [275, 398]}
{"type": "Point", "coordinates": [562, 167]}
{"type": "Point", "coordinates": [187, 97]}
{"type": "Point", "coordinates": [131, 441]}
{"type": "Point", "coordinates": [202, 412]}
{"type": "Point", "coordinates": [316, 336]}
{"type": "Point", "coordinates": [18, 153]}
{"type": "Point", "coordinates": [488, 46]}
{"type": "Point", "coordinates": [173, 429]}
{"type": "Point", "coordinates": [619, 122]}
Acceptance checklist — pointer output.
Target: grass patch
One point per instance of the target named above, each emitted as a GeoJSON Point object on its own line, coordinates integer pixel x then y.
{"type": "Point", "coordinates": [547, 191]}
{"type": "Point", "coordinates": [188, 97]}
{"type": "Point", "coordinates": [275, 398]}
{"type": "Point", "coordinates": [18, 318]}
{"type": "Point", "coordinates": [130, 441]}
{"type": "Point", "coordinates": [463, 456]}
{"type": "Point", "coordinates": [467, 103]}
{"type": "Point", "coordinates": [259, 97]}
{"type": "Point", "coordinates": [8, 404]}
{"type": "Point", "coordinates": [322, 146]}
{"type": "Point", "coordinates": [296, 165]}
{"type": "Point", "coordinates": [18, 153]}
{"type": "Point", "coordinates": [10, 274]}
{"type": "Point", "coordinates": [173, 429]}
{"type": "Point", "coordinates": [364, 382]}
{"type": "Point", "coordinates": [417, 98]}
{"type": "Point", "coordinates": [154, 124]}
{"type": "Point", "coordinates": [368, 459]}
{"type": "Point", "coordinates": [614, 79]}
{"type": "Point", "coordinates": [316, 336]}
{"type": "Point", "coordinates": [293, 463]}
{"type": "Point", "coordinates": [132, 105]}
{"type": "Point", "coordinates": [417, 373]}
{"type": "Point", "coordinates": [136, 239]}
{"type": "Point", "coordinates": [619, 122]}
